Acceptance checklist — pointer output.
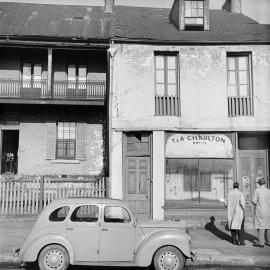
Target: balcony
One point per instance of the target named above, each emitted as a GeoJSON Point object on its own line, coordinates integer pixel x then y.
{"type": "Point", "coordinates": [61, 91]}
{"type": "Point", "coordinates": [240, 106]}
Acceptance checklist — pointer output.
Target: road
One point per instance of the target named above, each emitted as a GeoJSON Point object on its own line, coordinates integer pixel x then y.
{"type": "Point", "coordinates": [34, 267]}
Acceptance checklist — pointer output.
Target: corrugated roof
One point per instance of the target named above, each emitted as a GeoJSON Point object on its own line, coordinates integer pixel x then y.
{"type": "Point", "coordinates": [152, 24]}
{"type": "Point", "coordinates": [128, 23]}
{"type": "Point", "coordinates": [58, 21]}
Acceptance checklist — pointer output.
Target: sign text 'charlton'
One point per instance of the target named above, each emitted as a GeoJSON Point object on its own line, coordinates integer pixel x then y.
{"type": "Point", "coordinates": [209, 138]}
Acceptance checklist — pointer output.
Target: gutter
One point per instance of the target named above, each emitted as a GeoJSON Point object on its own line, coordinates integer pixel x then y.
{"type": "Point", "coordinates": [188, 42]}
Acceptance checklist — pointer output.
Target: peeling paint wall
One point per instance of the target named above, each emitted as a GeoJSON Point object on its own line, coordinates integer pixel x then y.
{"type": "Point", "coordinates": [203, 89]}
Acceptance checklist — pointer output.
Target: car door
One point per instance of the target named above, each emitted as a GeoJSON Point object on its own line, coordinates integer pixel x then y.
{"type": "Point", "coordinates": [83, 232]}
{"type": "Point", "coordinates": [117, 239]}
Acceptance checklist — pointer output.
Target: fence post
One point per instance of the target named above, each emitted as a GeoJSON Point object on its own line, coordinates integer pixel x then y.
{"type": "Point", "coordinates": [41, 193]}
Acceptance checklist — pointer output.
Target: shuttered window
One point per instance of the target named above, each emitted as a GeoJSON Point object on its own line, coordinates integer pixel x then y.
{"type": "Point", "coordinates": [166, 77]}
{"type": "Point", "coordinates": [66, 140]}
{"type": "Point", "coordinates": [240, 100]}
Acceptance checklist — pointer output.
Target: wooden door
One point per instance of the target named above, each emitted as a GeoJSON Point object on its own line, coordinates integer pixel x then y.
{"type": "Point", "coordinates": [252, 166]}
{"type": "Point", "coordinates": [138, 186]}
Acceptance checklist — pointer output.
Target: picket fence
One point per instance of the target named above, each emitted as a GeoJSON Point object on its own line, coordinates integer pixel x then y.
{"type": "Point", "coordinates": [29, 197]}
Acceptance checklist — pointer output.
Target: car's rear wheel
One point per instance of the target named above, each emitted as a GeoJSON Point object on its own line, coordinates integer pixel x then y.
{"type": "Point", "coordinates": [53, 257]}
{"type": "Point", "coordinates": [169, 258]}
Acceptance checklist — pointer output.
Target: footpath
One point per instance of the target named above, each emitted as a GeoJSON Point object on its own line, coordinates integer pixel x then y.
{"type": "Point", "coordinates": [212, 244]}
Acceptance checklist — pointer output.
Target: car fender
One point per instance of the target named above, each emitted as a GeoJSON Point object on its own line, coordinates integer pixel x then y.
{"type": "Point", "coordinates": [151, 244]}
{"type": "Point", "coordinates": [31, 251]}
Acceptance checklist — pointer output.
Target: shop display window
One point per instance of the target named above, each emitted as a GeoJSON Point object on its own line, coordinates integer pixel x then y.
{"type": "Point", "coordinates": [198, 181]}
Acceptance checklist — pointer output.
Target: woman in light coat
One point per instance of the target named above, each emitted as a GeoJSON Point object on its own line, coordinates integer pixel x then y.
{"type": "Point", "coordinates": [261, 200]}
{"type": "Point", "coordinates": [236, 205]}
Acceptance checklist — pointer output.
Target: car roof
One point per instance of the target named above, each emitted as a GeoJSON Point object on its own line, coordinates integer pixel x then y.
{"type": "Point", "coordinates": [80, 200]}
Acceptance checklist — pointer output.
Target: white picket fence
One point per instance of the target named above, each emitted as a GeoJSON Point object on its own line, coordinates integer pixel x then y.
{"type": "Point", "coordinates": [25, 197]}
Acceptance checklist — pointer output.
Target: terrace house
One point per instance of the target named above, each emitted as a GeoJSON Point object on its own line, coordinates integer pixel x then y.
{"type": "Point", "coordinates": [53, 89]}
{"type": "Point", "coordinates": [191, 107]}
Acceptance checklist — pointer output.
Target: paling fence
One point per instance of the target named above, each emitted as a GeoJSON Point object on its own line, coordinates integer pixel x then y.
{"type": "Point", "coordinates": [26, 197]}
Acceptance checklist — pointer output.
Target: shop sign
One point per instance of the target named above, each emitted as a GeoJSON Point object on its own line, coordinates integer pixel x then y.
{"type": "Point", "coordinates": [199, 146]}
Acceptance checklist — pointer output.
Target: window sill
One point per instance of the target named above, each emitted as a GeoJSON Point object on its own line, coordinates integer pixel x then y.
{"type": "Point", "coordinates": [65, 161]}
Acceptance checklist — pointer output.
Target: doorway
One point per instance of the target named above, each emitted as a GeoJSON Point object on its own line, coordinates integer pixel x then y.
{"type": "Point", "coordinates": [137, 172]}
{"type": "Point", "coordinates": [10, 144]}
{"type": "Point", "coordinates": [252, 166]}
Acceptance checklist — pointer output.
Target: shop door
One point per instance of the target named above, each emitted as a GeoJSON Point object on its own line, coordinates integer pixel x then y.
{"type": "Point", "coordinates": [252, 166]}
{"type": "Point", "coordinates": [138, 186]}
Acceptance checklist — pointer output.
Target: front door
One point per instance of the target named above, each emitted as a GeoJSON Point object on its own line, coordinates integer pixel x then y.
{"type": "Point", "coordinates": [252, 166]}
{"type": "Point", "coordinates": [138, 186]}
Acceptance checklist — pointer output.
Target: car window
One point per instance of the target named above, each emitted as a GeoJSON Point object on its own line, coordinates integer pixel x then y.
{"type": "Point", "coordinates": [85, 213]}
{"type": "Point", "coordinates": [116, 214]}
{"type": "Point", "coordinates": [59, 214]}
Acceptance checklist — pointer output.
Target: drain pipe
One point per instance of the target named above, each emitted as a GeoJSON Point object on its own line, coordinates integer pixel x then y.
{"type": "Point", "coordinates": [111, 54]}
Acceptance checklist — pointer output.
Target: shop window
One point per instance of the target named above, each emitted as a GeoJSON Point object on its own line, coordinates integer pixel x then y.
{"type": "Point", "coordinates": [198, 181]}
{"type": "Point", "coordinates": [166, 78]}
{"type": "Point", "coordinates": [240, 102]}
{"type": "Point", "coordinates": [66, 140]}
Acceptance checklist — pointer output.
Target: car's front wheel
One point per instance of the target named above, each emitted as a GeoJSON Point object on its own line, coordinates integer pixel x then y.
{"type": "Point", "coordinates": [53, 257]}
{"type": "Point", "coordinates": [169, 258]}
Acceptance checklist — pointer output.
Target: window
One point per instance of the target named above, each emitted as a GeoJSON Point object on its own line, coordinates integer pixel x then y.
{"type": "Point", "coordinates": [239, 84]}
{"type": "Point", "coordinates": [194, 14]}
{"type": "Point", "coordinates": [85, 213]}
{"type": "Point", "coordinates": [116, 214]}
{"type": "Point", "coordinates": [66, 140]}
{"type": "Point", "coordinates": [59, 214]}
{"type": "Point", "coordinates": [31, 75]}
{"type": "Point", "coordinates": [77, 76]}
{"type": "Point", "coordinates": [198, 181]}
{"type": "Point", "coordinates": [166, 75]}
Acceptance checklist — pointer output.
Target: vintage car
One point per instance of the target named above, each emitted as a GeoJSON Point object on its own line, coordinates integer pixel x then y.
{"type": "Point", "coordinates": [91, 231]}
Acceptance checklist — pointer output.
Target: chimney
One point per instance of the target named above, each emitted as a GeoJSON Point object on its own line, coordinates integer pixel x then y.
{"type": "Point", "coordinates": [109, 4]}
{"type": "Point", "coordinates": [233, 6]}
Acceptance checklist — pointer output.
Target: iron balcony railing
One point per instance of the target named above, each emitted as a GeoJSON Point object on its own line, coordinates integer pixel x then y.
{"type": "Point", "coordinates": [240, 106]}
{"type": "Point", "coordinates": [65, 90]}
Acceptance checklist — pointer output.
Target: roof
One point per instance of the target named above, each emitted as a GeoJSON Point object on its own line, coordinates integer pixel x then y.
{"type": "Point", "coordinates": [80, 200]}
{"type": "Point", "coordinates": [153, 25]}
{"type": "Point", "coordinates": [57, 21]}
{"type": "Point", "coordinates": [22, 21]}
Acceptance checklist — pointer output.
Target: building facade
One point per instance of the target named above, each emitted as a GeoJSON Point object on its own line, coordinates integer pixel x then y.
{"type": "Point", "coordinates": [53, 90]}
{"type": "Point", "coordinates": [190, 108]}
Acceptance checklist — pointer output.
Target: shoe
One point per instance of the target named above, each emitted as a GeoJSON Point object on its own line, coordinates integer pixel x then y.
{"type": "Point", "coordinates": [259, 245]}
{"type": "Point", "coordinates": [242, 244]}
{"type": "Point", "coordinates": [267, 244]}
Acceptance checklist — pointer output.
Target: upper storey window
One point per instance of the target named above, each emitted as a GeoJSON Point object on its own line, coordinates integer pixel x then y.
{"type": "Point", "coordinates": [189, 15]}
{"type": "Point", "coordinates": [194, 14]}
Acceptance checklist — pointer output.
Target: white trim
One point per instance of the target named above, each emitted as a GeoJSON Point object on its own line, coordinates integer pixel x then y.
{"type": "Point", "coordinates": [66, 161]}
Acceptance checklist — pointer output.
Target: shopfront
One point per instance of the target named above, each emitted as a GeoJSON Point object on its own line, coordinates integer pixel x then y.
{"type": "Point", "coordinates": [200, 170]}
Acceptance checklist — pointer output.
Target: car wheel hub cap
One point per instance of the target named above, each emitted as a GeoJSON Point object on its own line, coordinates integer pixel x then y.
{"type": "Point", "coordinates": [54, 259]}
{"type": "Point", "coordinates": [168, 261]}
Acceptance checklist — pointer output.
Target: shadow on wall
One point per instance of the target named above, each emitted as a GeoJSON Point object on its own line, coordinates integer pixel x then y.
{"type": "Point", "coordinates": [223, 234]}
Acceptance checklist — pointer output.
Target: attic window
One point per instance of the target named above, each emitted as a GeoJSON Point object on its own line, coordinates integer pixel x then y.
{"type": "Point", "coordinates": [194, 15]}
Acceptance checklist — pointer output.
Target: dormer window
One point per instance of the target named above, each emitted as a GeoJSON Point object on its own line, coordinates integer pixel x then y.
{"type": "Point", "coordinates": [194, 14]}
{"type": "Point", "coordinates": [189, 15]}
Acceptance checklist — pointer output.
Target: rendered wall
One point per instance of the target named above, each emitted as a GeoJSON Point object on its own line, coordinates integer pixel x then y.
{"type": "Point", "coordinates": [203, 89]}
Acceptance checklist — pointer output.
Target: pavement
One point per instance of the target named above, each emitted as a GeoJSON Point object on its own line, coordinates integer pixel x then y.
{"type": "Point", "coordinates": [210, 241]}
